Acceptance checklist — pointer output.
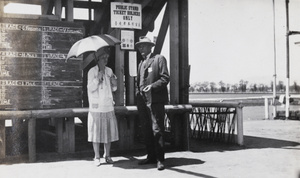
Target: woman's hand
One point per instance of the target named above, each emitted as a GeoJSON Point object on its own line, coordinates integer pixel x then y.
{"type": "Point", "coordinates": [100, 76]}
{"type": "Point", "coordinates": [113, 82]}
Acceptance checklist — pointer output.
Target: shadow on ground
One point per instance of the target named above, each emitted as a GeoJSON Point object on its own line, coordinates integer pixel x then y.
{"type": "Point", "coordinates": [173, 164]}
{"type": "Point", "coordinates": [250, 142]}
{"type": "Point", "coordinates": [132, 163]}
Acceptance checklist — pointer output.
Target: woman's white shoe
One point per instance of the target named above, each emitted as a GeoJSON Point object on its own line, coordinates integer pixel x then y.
{"type": "Point", "coordinates": [97, 161]}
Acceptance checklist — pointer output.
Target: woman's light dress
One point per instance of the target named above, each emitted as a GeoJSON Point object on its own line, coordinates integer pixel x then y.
{"type": "Point", "coordinates": [102, 122]}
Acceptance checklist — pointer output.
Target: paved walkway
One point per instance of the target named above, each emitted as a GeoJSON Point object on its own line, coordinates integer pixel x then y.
{"type": "Point", "coordinates": [272, 149]}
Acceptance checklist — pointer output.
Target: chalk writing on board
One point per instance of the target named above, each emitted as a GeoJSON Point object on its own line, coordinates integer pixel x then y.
{"type": "Point", "coordinates": [33, 71]}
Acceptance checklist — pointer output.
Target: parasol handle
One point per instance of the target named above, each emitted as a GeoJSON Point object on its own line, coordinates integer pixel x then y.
{"type": "Point", "coordinates": [96, 60]}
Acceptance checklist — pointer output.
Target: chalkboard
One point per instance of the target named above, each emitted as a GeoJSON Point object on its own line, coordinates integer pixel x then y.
{"type": "Point", "coordinates": [34, 73]}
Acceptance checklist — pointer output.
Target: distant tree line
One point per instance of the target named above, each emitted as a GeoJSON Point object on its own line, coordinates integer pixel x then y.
{"type": "Point", "coordinates": [242, 86]}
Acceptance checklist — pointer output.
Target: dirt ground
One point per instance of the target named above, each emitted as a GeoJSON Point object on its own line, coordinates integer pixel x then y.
{"type": "Point", "coordinates": [271, 149]}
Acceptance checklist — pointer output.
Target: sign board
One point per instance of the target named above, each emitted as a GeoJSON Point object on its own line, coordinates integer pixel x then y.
{"type": "Point", "coordinates": [127, 39]}
{"type": "Point", "coordinates": [126, 15]}
{"type": "Point", "coordinates": [34, 73]}
{"type": "Point", "coordinates": [132, 64]}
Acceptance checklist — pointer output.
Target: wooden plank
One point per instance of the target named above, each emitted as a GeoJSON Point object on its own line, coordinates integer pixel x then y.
{"type": "Point", "coordinates": [65, 135]}
{"type": "Point", "coordinates": [126, 132]}
{"type": "Point", "coordinates": [59, 134]}
{"type": "Point", "coordinates": [69, 11]}
{"type": "Point", "coordinates": [30, 16]}
{"type": "Point", "coordinates": [184, 70]}
{"type": "Point", "coordinates": [36, 75]}
{"type": "Point", "coordinates": [32, 139]}
{"type": "Point", "coordinates": [102, 20]}
{"type": "Point", "coordinates": [122, 134]}
{"type": "Point", "coordinates": [240, 132]}
{"type": "Point", "coordinates": [119, 71]}
{"type": "Point", "coordinates": [176, 129]}
{"type": "Point", "coordinates": [149, 15]}
{"type": "Point", "coordinates": [81, 112]}
{"type": "Point", "coordinates": [65, 128]}
{"type": "Point", "coordinates": [47, 7]}
{"type": "Point", "coordinates": [92, 5]}
{"type": "Point", "coordinates": [15, 114]}
{"type": "Point", "coordinates": [186, 132]}
{"type": "Point", "coordinates": [58, 8]}
{"type": "Point", "coordinates": [145, 3]}
{"type": "Point", "coordinates": [2, 139]}
{"type": "Point", "coordinates": [36, 2]}
{"type": "Point", "coordinates": [162, 32]}
{"type": "Point", "coordinates": [218, 104]}
{"type": "Point", "coordinates": [69, 134]}
{"type": "Point", "coordinates": [1, 8]}
{"type": "Point", "coordinates": [174, 53]}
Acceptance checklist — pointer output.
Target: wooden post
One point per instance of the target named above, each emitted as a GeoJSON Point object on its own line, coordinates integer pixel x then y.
{"type": "Point", "coordinates": [70, 135]}
{"type": "Point", "coordinates": [186, 132]}
{"type": "Point", "coordinates": [119, 94]}
{"type": "Point", "coordinates": [174, 51]}
{"type": "Point", "coordinates": [17, 131]}
{"type": "Point", "coordinates": [162, 31]}
{"type": "Point", "coordinates": [184, 70]}
{"type": "Point", "coordinates": [176, 128]}
{"type": "Point", "coordinates": [126, 132]}
{"type": "Point", "coordinates": [130, 101]}
{"type": "Point", "coordinates": [181, 130]}
{"type": "Point", "coordinates": [32, 139]}
{"type": "Point", "coordinates": [58, 8]}
{"type": "Point", "coordinates": [65, 133]}
{"type": "Point", "coordinates": [59, 134]}
{"type": "Point", "coordinates": [287, 84]}
{"type": "Point", "coordinates": [119, 70]}
{"type": "Point", "coordinates": [1, 8]}
{"type": "Point", "coordinates": [69, 11]}
{"type": "Point", "coordinates": [2, 139]}
{"type": "Point", "coordinates": [239, 118]}
{"type": "Point", "coordinates": [266, 108]}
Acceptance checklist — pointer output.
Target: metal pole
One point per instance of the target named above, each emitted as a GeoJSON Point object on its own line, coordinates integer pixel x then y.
{"type": "Point", "coordinates": [287, 97]}
{"type": "Point", "coordinates": [274, 80]}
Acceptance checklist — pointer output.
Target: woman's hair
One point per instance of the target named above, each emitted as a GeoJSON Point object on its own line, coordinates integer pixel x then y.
{"type": "Point", "coordinates": [103, 50]}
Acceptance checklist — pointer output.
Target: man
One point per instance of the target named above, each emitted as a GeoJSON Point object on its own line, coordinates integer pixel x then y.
{"type": "Point", "coordinates": [152, 95]}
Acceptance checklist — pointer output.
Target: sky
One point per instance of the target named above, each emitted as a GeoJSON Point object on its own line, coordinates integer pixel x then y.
{"type": "Point", "coordinates": [233, 40]}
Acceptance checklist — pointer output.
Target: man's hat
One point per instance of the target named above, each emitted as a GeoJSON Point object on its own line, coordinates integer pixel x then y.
{"type": "Point", "coordinates": [144, 40]}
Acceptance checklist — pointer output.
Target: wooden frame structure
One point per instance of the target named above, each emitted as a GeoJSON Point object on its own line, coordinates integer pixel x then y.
{"type": "Point", "coordinates": [175, 19]}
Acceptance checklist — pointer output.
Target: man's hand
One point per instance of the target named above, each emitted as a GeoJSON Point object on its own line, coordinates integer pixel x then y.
{"type": "Point", "coordinates": [147, 88]}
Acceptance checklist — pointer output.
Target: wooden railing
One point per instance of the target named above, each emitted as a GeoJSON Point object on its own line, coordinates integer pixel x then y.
{"type": "Point", "coordinates": [203, 120]}
{"type": "Point", "coordinates": [32, 115]}
{"type": "Point", "coordinates": [217, 121]}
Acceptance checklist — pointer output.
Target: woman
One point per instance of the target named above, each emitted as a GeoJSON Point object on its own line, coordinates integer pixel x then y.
{"type": "Point", "coordinates": [102, 123]}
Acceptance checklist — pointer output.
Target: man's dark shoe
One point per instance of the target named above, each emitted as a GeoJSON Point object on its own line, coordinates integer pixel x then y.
{"type": "Point", "coordinates": [160, 166]}
{"type": "Point", "coordinates": [147, 161]}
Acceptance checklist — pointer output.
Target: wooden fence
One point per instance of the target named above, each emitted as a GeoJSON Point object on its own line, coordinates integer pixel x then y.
{"type": "Point", "coordinates": [68, 144]}
{"type": "Point", "coordinates": [199, 120]}
{"type": "Point", "coordinates": [217, 121]}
